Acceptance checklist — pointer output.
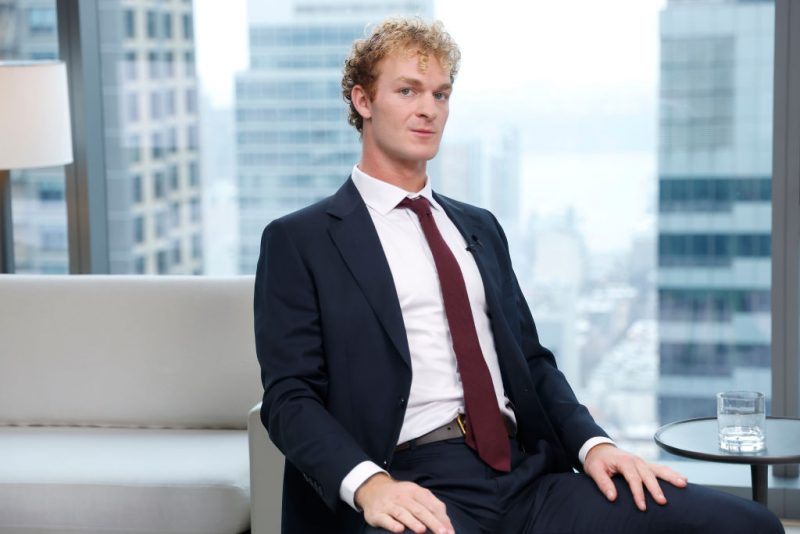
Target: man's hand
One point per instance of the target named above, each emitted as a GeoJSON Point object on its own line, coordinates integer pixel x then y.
{"type": "Point", "coordinates": [605, 460]}
{"type": "Point", "coordinates": [395, 506]}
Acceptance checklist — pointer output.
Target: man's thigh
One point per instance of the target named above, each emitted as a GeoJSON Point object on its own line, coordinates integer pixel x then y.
{"type": "Point", "coordinates": [569, 502]}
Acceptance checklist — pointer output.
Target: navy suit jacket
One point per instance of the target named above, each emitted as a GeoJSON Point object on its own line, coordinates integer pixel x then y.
{"type": "Point", "coordinates": [335, 362]}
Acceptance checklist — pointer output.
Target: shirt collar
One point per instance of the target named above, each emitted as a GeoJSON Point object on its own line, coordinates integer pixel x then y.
{"type": "Point", "coordinates": [382, 196]}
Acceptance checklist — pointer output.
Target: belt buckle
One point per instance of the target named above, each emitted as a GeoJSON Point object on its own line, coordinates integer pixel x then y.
{"type": "Point", "coordinates": [461, 424]}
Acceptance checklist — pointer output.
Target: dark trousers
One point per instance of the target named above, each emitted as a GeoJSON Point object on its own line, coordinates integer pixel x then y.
{"type": "Point", "coordinates": [481, 500]}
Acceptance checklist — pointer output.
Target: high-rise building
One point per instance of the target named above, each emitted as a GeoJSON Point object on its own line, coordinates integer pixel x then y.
{"type": "Point", "coordinates": [714, 220]}
{"type": "Point", "coordinates": [151, 150]}
{"type": "Point", "coordinates": [294, 144]}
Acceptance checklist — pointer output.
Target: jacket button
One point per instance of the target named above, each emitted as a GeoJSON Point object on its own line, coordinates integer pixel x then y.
{"type": "Point", "coordinates": [401, 401]}
{"type": "Point", "coordinates": [385, 463]}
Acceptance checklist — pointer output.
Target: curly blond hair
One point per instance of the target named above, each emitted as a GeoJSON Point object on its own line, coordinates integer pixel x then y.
{"type": "Point", "coordinates": [411, 34]}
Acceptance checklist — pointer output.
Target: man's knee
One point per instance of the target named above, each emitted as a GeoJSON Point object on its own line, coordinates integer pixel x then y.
{"type": "Point", "coordinates": [707, 508]}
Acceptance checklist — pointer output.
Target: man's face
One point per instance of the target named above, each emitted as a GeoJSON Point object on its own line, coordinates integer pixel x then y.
{"type": "Point", "coordinates": [405, 119]}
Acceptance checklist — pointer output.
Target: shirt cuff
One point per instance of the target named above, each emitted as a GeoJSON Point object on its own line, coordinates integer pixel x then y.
{"type": "Point", "coordinates": [353, 480]}
{"type": "Point", "coordinates": [591, 442]}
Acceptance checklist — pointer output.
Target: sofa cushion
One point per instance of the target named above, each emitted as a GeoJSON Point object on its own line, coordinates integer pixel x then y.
{"type": "Point", "coordinates": [116, 350]}
{"type": "Point", "coordinates": [120, 480]}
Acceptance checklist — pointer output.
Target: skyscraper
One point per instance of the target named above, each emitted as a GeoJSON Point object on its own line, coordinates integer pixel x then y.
{"type": "Point", "coordinates": [714, 220]}
{"type": "Point", "coordinates": [150, 119]}
{"type": "Point", "coordinates": [294, 145]}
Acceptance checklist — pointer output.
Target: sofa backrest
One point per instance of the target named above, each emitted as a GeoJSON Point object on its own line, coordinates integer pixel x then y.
{"type": "Point", "coordinates": [156, 351]}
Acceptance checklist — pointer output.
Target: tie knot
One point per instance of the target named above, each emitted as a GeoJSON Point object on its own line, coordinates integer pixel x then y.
{"type": "Point", "coordinates": [419, 205]}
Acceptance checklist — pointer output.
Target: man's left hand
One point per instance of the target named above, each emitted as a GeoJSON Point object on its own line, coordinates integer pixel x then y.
{"type": "Point", "coordinates": [605, 460]}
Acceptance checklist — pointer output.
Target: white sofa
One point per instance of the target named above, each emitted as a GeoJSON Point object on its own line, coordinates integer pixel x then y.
{"type": "Point", "coordinates": [124, 406]}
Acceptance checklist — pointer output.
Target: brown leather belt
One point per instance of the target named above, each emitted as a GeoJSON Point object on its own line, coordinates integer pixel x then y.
{"type": "Point", "coordinates": [454, 429]}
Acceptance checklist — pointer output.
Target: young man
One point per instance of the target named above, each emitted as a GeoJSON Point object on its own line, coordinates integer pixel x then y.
{"type": "Point", "coordinates": [403, 375]}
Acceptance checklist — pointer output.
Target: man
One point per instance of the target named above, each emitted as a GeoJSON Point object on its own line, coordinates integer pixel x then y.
{"type": "Point", "coordinates": [403, 375]}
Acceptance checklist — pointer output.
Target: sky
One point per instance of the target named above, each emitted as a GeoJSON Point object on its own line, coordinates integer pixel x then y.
{"type": "Point", "coordinates": [577, 78]}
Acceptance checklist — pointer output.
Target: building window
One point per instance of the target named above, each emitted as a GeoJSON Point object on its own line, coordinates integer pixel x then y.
{"type": "Point", "coordinates": [188, 30]}
{"type": "Point", "coordinates": [194, 174]}
{"type": "Point", "coordinates": [136, 186]}
{"type": "Point", "coordinates": [195, 209]}
{"type": "Point", "coordinates": [153, 65]}
{"type": "Point", "coordinates": [133, 107]}
{"type": "Point", "coordinates": [130, 23]}
{"type": "Point", "coordinates": [50, 192]}
{"type": "Point", "coordinates": [131, 67]}
{"type": "Point", "coordinates": [152, 24]}
{"type": "Point", "coordinates": [174, 178]}
{"type": "Point", "coordinates": [191, 137]}
{"type": "Point", "coordinates": [161, 224]}
{"type": "Point", "coordinates": [42, 21]}
{"type": "Point", "coordinates": [134, 149]}
{"type": "Point", "coordinates": [169, 64]}
{"type": "Point", "coordinates": [139, 265]}
{"type": "Point", "coordinates": [155, 105]}
{"type": "Point", "coordinates": [161, 262]}
{"type": "Point", "coordinates": [168, 25]}
{"type": "Point", "coordinates": [172, 140]}
{"type": "Point", "coordinates": [138, 229]}
{"type": "Point", "coordinates": [158, 185]}
{"type": "Point", "coordinates": [188, 59]}
{"type": "Point", "coordinates": [176, 252]}
{"type": "Point", "coordinates": [197, 246]}
{"type": "Point", "coordinates": [169, 103]}
{"type": "Point", "coordinates": [191, 101]}
{"type": "Point", "coordinates": [157, 149]}
{"type": "Point", "coordinates": [175, 214]}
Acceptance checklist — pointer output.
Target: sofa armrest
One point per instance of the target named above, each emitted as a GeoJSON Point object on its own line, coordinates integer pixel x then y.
{"type": "Point", "coordinates": [266, 477]}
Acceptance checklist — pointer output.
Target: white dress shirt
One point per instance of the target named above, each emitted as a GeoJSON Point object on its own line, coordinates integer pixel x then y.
{"type": "Point", "coordinates": [436, 394]}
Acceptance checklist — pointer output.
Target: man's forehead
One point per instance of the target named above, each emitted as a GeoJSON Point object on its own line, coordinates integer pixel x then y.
{"type": "Point", "coordinates": [396, 57]}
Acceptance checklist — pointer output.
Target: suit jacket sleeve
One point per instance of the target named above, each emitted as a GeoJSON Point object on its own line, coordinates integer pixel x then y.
{"type": "Point", "coordinates": [289, 345]}
{"type": "Point", "coordinates": [571, 420]}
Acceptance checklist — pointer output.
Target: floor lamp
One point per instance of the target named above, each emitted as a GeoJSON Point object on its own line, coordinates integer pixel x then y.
{"type": "Point", "coordinates": [34, 131]}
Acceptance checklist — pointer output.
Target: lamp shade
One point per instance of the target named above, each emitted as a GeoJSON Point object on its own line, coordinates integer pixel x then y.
{"type": "Point", "coordinates": [34, 115]}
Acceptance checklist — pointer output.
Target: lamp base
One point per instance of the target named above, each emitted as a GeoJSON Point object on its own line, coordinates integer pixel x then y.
{"type": "Point", "coordinates": [6, 225]}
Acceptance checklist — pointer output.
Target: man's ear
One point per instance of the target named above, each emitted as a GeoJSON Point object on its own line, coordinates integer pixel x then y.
{"type": "Point", "coordinates": [361, 101]}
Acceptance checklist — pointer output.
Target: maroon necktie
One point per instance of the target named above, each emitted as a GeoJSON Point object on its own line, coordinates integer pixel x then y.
{"type": "Point", "coordinates": [486, 431]}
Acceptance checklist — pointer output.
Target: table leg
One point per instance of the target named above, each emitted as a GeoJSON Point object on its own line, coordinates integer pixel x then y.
{"type": "Point", "coordinates": [759, 475]}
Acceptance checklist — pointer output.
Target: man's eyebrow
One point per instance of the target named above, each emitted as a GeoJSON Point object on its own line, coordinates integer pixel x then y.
{"type": "Point", "coordinates": [416, 83]}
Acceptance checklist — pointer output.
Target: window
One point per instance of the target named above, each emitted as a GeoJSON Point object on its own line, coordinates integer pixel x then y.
{"type": "Point", "coordinates": [131, 66]}
{"type": "Point", "coordinates": [153, 65]}
{"type": "Point", "coordinates": [159, 189]}
{"type": "Point", "coordinates": [130, 23]}
{"type": "Point", "coordinates": [137, 192]}
{"type": "Point", "coordinates": [152, 24]}
{"type": "Point", "coordinates": [188, 60]}
{"type": "Point", "coordinates": [174, 178]}
{"type": "Point", "coordinates": [138, 229]}
{"type": "Point", "coordinates": [133, 107]}
{"type": "Point", "coordinates": [188, 30]}
{"type": "Point", "coordinates": [155, 105]}
{"type": "Point", "coordinates": [191, 101]}
{"type": "Point", "coordinates": [167, 20]}
{"type": "Point", "coordinates": [42, 21]}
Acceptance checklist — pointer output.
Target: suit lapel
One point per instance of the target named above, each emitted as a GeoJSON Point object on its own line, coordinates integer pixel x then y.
{"type": "Point", "coordinates": [354, 234]}
{"type": "Point", "coordinates": [474, 233]}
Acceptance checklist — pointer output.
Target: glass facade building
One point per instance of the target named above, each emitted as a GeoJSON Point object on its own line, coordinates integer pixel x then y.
{"type": "Point", "coordinates": [714, 203]}
{"type": "Point", "coordinates": [294, 145]}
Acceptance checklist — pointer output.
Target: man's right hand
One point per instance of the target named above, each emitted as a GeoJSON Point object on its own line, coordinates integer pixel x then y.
{"type": "Point", "coordinates": [394, 505]}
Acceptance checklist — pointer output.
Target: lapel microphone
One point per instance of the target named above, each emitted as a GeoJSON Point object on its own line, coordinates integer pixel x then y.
{"type": "Point", "coordinates": [474, 244]}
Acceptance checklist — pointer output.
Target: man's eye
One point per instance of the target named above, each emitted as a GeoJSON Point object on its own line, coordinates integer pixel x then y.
{"type": "Point", "coordinates": [441, 96]}
{"type": "Point", "coordinates": [405, 91]}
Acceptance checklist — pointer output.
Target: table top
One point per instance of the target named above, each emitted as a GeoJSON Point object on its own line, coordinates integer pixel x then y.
{"type": "Point", "coordinates": [698, 439]}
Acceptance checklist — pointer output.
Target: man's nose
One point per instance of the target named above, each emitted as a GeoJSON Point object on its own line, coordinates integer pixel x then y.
{"type": "Point", "coordinates": [426, 106]}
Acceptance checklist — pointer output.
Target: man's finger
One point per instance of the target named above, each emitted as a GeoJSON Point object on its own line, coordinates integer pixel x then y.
{"type": "Point", "coordinates": [429, 519]}
{"type": "Point", "coordinates": [631, 474]}
{"type": "Point", "coordinates": [438, 510]}
{"type": "Point", "coordinates": [651, 482]}
{"type": "Point", "coordinates": [673, 477]}
{"type": "Point", "coordinates": [387, 522]}
{"type": "Point", "coordinates": [605, 484]}
{"type": "Point", "coordinates": [404, 515]}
